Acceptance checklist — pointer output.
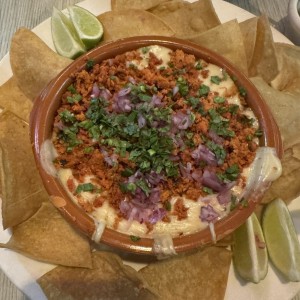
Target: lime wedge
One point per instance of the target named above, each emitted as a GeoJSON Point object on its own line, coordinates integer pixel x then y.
{"type": "Point", "coordinates": [282, 240]}
{"type": "Point", "coordinates": [87, 26]}
{"type": "Point", "coordinates": [250, 256]}
{"type": "Point", "coordinates": [64, 35]}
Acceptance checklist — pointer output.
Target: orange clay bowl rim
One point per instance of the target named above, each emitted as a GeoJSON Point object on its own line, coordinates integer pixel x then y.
{"type": "Point", "coordinates": [42, 117]}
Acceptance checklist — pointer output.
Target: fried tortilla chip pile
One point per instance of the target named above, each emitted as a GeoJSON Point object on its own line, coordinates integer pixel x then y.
{"type": "Point", "coordinates": [202, 275]}
{"type": "Point", "coordinates": [108, 278]}
{"type": "Point", "coordinates": [38, 229]}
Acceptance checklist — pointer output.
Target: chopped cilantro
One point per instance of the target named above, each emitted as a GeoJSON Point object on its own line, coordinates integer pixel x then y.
{"type": "Point", "coordinates": [76, 98]}
{"type": "Point", "coordinates": [233, 108]}
{"type": "Point", "coordinates": [193, 101]}
{"type": "Point", "coordinates": [219, 99]}
{"type": "Point", "coordinates": [128, 187]}
{"type": "Point", "coordinates": [183, 86]}
{"type": "Point", "coordinates": [131, 129]}
{"type": "Point", "coordinates": [207, 190]}
{"type": "Point", "coordinates": [168, 205]}
{"type": "Point", "coordinates": [198, 65]}
{"type": "Point", "coordinates": [112, 77]}
{"type": "Point", "coordinates": [127, 172]}
{"type": "Point", "coordinates": [203, 90]}
{"type": "Point", "coordinates": [170, 64]}
{"type": "Point", "coordinates": [244, 202]}
{"type": "Point", "coordinates": [249, 137]}
{"type": "Point", "coordinates": [215, 79]}
{"type": "Point", "coordinates": [231, 173]}
{"type": "Point", "coordinates": [151, 152]}
{"type": "Point", "coordinates": [233, 202]}
{"type": "Point", "coordinates": [219, 125]}
{"type": "Point", "coordinates": [69, 136]}
{"type": "Point", "coordinates": [143, 186]}
{"type": "Point", "coordinates": [86, 124]}
{"type": "Point", "coordinates": [145, 50]}
{"type": "Point", "coordinates": [218, 150]}
{"type": "Point", "coordinates": [85, 187]}
{"type": "Point", "coordinates": [258, 133]}
{"type": "Point", "coordinates": [225, 74]}
{"type": "Point", "coordinates": [72, 89]}
{"type": "Point", "coordinates": [94, 131]}
{"type": "Point", "coordinates": [246, 120]}
{"type": "Point", "coordinates": [67, 117]}
{"type": "Point", "coordinates": [243, 91]}
{"type": "Point", "coordinates": [134, 238]}
{"type": "Point", "coordinates": [89, 64]}
{"type": "Point", "coordinates": [88, 150]}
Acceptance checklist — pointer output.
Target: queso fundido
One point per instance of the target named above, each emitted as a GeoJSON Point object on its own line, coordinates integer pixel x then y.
{"type": "Point", "coordinates": [155, 141]}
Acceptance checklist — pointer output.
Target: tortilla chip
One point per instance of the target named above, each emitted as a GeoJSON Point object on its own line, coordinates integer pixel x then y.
{"type": "Point", "coordinates": [285, 109]}
{"type": "Point", "coordinates": [109, 279]}
{"type": "Point", "coordinates": [12, 99]}
{"type": "Point", "coordinates": [134, 4]}
{"type": "Point", "coordinates": [226, 40]}
{"type": "Point", "coordinates": [287, 186]}
{"type": "Point", "coordinates": [188, 19]}
{"type": "Point", "coordinates": [47, 237]}
{"type": "Point", "coordinates": [264, 61]}
{"type": "Point", "coordinates": [21, 188]}
{"type": "Point", "coordinates": [202, 275]}
{"type": "Point", "coordinates": [249, 32]}
{"type": "Point", "coordinates": [33, 63]}
{"type": "Point", "coordinates": [116, 25]}
{"type": "Point", "coordinates": [288, 78]}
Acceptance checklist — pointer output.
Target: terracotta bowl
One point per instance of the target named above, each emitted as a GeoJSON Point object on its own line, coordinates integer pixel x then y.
{"type": "Point", "coordinates": [48, 102]}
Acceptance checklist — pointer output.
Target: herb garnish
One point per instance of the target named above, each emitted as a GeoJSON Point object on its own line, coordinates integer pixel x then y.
{"type": "Point", "coordinates": [203, 90]}
{"type": "Point", "coordinates": [207, 190]}
{"type": "Point", "coordinates": [89, 64]}
{"type": "Point", "coordinates": [218, 150]}
{"type": "Point", "coordinates": [215, 79]}
{"type": "Point", "coordinates": [231, 173]}
{"type": "Point", "coordinates": [219, 124]}
{"type": "Point", "coordinates": [242, 91]}
{"type": "Point", "coordinates": [183, 86]}
{"type": "Point", "coordinates": [135, 238]}
{"type": "Point", "coordinates": [85, 187]}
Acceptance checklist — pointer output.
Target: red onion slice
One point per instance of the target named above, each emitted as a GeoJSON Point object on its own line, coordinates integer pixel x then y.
{"type": "Point", "coordinates": [211, 180]}
{"type": "Point", "coordinates": [95, 91]}
{"type": "Point", "coordinates": [181, 120]}
{"type": "Point", "coordinates": [208, 214]}
{"type": "Point", "coordinates": [202, 153]}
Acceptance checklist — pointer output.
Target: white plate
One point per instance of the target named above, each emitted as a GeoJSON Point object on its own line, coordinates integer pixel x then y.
{"type": "Point", "coordinates": [23, 271]}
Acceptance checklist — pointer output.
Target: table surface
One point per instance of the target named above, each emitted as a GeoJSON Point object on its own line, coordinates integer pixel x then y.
{"type": "Point", "coordinates": [29, 13]}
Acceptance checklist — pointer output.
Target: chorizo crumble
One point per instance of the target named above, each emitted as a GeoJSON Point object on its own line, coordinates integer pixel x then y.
{"type": "Point", "coordinates": [145, 135]}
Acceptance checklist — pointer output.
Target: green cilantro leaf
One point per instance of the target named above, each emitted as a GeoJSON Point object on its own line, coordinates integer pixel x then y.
{"type": "Point", "coordinates": [134, 238]}
{"type": "Point", "coordinates": [85, 187]}
{"type": "Point", "coordinates": [215, 79]}
{"type": "Point", "coordinates": [203, 90]}
{"type": "Point", "coordinates": [243, 91]}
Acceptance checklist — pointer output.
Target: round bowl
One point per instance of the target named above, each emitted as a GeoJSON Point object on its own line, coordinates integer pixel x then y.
{"type": "Point", "coordinates": [48, 102]}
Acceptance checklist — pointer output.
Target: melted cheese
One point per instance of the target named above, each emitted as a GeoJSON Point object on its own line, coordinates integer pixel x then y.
{"type": "Point", "coordinates": [106, 215]}
{"type": "Point", "coordinates": [226, 88]}
{"type": "Point", "coordinates": [162, 53]}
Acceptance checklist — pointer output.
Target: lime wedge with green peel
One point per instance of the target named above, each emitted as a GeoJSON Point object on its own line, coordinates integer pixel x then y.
{"type": "Point", "coordinates": [87, 26]}
{"type": "Point", "coordinates": [282, 240]}
{"type": "Point", "coordinates": [64, 36]}
{"type": "Point", "coordinates": [250, 257]}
